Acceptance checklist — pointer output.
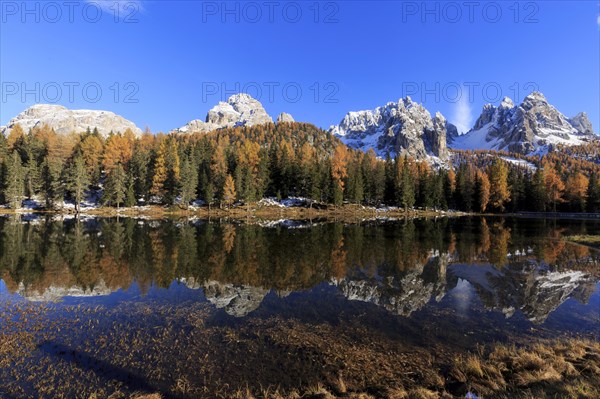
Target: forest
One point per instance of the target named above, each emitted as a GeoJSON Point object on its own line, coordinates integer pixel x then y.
{"type": "Point", "coordinates": [245, 164]}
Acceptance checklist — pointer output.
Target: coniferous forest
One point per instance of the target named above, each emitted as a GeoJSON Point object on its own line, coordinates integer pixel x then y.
{"type": "Point", "coordinates": [245, 164]}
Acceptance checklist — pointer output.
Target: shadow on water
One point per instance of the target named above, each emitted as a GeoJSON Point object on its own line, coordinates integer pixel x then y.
{"type": "Point", "coordinates": [129, 378]}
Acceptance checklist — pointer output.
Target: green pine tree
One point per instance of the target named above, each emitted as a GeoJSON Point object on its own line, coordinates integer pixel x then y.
{"type": "Point", "coordinates": [189, 182]}
{"type": "Point", "coordinates": [593, 204]}
{"type": "Point", "coordinates": [15, 181]}
{"type": "Point", "coordinates": [52, 185]}
{"type": "Point", "coordinates": [408, 189]}
{"type": "Point", "coordinates": [115, 189]}
{"type": "Point", "coordinates": [77, 180]}
{"type": "Point", "coordinates": [130, 194]}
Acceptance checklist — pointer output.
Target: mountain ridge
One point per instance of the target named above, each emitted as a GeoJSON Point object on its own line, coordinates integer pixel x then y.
{"type": "Point", "coordinates": [534, 126]}
{"type": "Point", "coordinates": [404, 127]}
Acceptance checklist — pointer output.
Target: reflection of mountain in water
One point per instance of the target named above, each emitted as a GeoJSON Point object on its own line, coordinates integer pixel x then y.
{"type": "Point", "coordinates": [401, 294]}
{"type": "Point", "coordinates": [55, 292]}
{"type": "Point", "coordinates": [527, 286]}
{"type": "Point", "coordinates": [399, 266]}
{"type": "Point", "coordinates": [236, 300]}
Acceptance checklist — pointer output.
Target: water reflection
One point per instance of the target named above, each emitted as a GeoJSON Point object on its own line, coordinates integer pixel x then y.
{"type": "Point", "coordinates": [400, 266]}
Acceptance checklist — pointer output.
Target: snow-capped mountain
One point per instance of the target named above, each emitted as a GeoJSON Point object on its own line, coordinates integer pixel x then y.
{"type": "Point", "coordinates": [534, 126]}
{"type": "Point", "coordinates": [527, 286]}
{"type": "Point", "coordinates": [405, 127]}
{"type": "Point", "coordinates": [65, 121]}
{"type": "Point", "coordinates": [402, 294]}
{"type": "Point", "coordinates": [56, 292]}
{"type": "Point", "coordinates": [239, 110]}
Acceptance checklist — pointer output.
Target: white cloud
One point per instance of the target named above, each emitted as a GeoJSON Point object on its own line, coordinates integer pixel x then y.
{"type": "Point", "coordinates": [462, 115]}
{"type": "Point", "coordinates": [598, 20]}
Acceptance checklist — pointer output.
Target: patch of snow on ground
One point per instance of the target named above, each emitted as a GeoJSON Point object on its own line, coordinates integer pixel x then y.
{"type": "Point", "coordinates": [520, 162]}
{"type": "Point", "coordinates": [290, 202]}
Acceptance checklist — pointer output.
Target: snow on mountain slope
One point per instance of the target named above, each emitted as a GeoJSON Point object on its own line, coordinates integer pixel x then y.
{"type": "Point", "coordinates": [534, 126]}
{"type": "Point", "coordinates": [405, 127]}
{"type": "Point", "coordinates": [65, 121]}
{"type": "Point", "coordinates": [239, 110]}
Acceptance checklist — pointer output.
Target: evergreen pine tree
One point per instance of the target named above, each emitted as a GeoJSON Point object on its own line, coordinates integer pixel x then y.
{"type": "Point", "coordinates": [15, 181]}
{"type": "Point", "coordinates": [516, 185]}
{"type": "Point", "coordinates": [537, 192]}
{"type": "Point", "coordinates": [408, 188]}
{"type": "Point", "coordinates": [189, 182]}
{"type": "Point", "coordinates": [77, 180]}
{"type": "Point", "coordinates": [593, 204]}
{"type": "Point", "coordinates": [130, 194]}
{"type": "Point", "coordinates": [115, 189]}
{"type": "Point", "coordinates": [465, 187]}
{"type": "Point", "coordinates": [52, 186]}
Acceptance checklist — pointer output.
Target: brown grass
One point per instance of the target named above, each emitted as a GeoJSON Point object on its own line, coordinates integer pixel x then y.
{"type": "Point", "coordinates": [569, 369]}
{"type": "Point", "coordinates": [179, 356]}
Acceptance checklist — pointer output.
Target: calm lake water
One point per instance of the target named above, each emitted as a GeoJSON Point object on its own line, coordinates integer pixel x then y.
{"type": "Point", "coordinates": [201, 309]}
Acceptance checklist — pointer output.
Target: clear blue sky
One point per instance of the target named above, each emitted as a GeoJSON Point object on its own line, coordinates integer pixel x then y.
{"type": "Point", "coordinates": [179, 58]}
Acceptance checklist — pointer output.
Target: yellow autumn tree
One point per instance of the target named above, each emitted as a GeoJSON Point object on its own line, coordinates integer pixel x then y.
{"type": "Point", "coordinates": [339, 171]}
{"type": "Point", "coordinates": [498, 179]}
{"type": "Point", "coordinates": [483, 188]}
{"type": "Point", "coordinates": [91, 150]}
{"type": "Point", "coordinates": [229, 193]}
{"type": "Point", "coordinates": [577, 191]}
{"type": "Point", "coordinates": [160, 171]}
{"type": "Point", "coordinates": [554, 187]}
{"type": "Point", "coordinates": [118, 150]}
{"type": "Point", "coordinates": [16, 134]}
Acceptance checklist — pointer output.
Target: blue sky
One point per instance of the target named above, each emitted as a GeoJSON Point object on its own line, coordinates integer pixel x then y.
{"type": "Point", "coordinates": [164, 63]}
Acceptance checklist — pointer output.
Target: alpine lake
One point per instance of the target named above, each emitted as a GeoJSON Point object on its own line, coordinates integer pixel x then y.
{"type": "Point", "coordinates": [478, 307]}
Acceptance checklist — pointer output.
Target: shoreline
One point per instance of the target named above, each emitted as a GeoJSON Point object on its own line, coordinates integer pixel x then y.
{"type": "Point", "coordinates": [252, 211]}
{"type": "Point", "coordinates": [345, 212]}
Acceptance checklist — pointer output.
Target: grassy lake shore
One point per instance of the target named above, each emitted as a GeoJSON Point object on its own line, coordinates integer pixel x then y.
{"type": "Point", "coordinates": [592, 241]}
{"type": "Point", "coordinates": [344, 212]}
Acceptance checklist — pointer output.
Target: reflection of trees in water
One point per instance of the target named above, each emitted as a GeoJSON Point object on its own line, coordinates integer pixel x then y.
{"type": "Point", "coordinates": [114, 253]}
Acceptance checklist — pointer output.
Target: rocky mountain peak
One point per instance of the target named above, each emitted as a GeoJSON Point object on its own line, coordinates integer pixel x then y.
{"type": "Point", "coordinates": [66, 121]}
{"type": "Point", "coordinates": [582, 123]}
{"type": "Point", "coordinates": [507, 103]}
{"type": "Point", "coordinates": [535, 98]}
{"type": "Point", "coordinates": [404, 127]}
{"type": "Point", "coordinates": [285, 117]}
{"type": "Point", "coordinates": [534, 126]}
{"type": "Point", "coordinates": [239, 110]}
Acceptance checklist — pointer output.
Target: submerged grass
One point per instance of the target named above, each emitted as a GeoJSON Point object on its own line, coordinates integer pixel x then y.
{"type": "Point", "coordinates": [161, 351]}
